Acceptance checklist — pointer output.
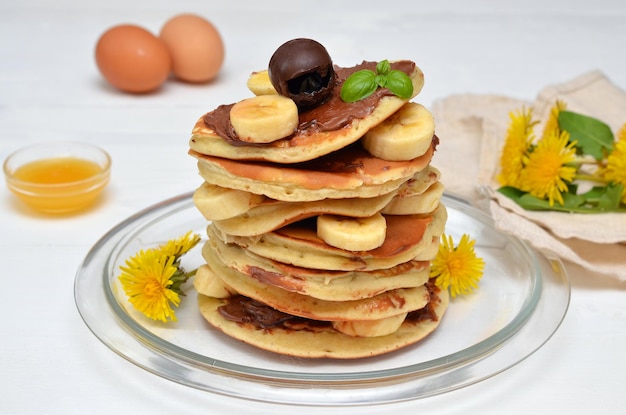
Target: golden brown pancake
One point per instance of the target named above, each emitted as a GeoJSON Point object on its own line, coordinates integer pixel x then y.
{"type": "Point", "coordinates": [310, 339]}
{"type": "Point", "coordinates": [408, 237]}
{"type": "Point", "coordinates": [272, 214]}
{"type": "Point", "coordinates": [310, 142]}
{"type": "Point", "coordinates": [321, 284]}
{"type": "Point", "coordinates": [386, 304]}
{"type": "Point", "coordinates": [415, 202]}
{"type": "Point", "coordinates": [350, 172]}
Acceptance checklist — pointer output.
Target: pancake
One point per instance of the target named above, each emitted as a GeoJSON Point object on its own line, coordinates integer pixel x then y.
{"type": "Point", "coordinates": [408, 237]}
{"type": "Point", "coordinates": [323, 130]}
{"type": "Point", "coordinates": [273, 214]}
{"type": "Point", "coordinates": [349, 172]}
{"type": "Point", "coordinates": [412, 203]}
{"type": "Point", "coordinates": [321, 284]}
{"type": "Point", "coordinates": [310, 339]}
{"type": "Point", "coordinates": [383, 305]}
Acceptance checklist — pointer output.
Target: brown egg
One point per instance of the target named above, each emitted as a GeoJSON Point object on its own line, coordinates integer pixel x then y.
{"type": "Point", "coordinates": [132, 59]}
{"type": "Point", "coordinates": [195, 46]}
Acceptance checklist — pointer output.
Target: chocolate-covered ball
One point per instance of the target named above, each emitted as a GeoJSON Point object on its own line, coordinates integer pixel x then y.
{"type": "Point", "coordinates": [302, 70]}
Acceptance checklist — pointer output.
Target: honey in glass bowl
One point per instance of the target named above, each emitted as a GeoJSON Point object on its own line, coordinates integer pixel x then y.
{"type": "Point", "coordinates": [58, 177]}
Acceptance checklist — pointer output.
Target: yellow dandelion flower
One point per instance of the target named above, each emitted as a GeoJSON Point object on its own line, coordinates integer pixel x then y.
{"type": "Point", "coordinates": [518, 140]}
{"type": "Point", "coordinates": [146, 280]}
{"type": "Point", "coordinates": [457, 268]}
{"type": "Point", "coordinates": [180, 246]}
{"type": "Point", "coordinates": [546, 173]}
{"type": "Point", "coordinates": [552, 124]}
{"type": "Point", "coordinates": [615, 170]}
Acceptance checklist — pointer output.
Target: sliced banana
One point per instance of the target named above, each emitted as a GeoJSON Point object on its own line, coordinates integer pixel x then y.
{"type": "Point", "coordinates": [405, 135]}
{"type": "Point", "coordinates": [264, 118]}
{"type": "Point", "coordinates": [206, 282]}
{"type": "Point", "coordinates": [219, 203]}
{"type": "Point", "coordinates": [372, 328]}
{"type": "Point", "coordinates": [260, 84]}
{"type": "Point", "coordinates": [352, 234]}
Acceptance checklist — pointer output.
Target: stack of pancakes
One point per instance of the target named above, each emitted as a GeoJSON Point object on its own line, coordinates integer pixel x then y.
{"type": "Point", "coordinates": [271, 280]}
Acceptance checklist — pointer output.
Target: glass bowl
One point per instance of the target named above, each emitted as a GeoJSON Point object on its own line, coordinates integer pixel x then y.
{"type": "Point", "coordinates": [58, 177]}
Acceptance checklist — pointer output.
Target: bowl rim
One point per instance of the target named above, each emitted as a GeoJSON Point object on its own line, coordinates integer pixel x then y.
{"type": "Point", "coordinates": [101, 176]}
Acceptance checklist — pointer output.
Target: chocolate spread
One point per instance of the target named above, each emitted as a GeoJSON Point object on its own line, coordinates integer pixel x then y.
{"type": "Point", "coordinates": [429, 311]}
{"type": "Point", "coordinates": [244, 310]}
{"type": "Point", "coordinates": [332, 115]}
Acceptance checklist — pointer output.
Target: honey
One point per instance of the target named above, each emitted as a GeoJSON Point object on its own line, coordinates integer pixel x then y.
{"type": "Point", "coordinates": [59, 184]}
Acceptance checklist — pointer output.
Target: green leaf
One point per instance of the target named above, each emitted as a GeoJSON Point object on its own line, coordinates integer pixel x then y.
{"type": "Point", "coordinates": [363, 83]}
{"type": "Point", "coordinates": [359, 85]}
{"type": "Point", "coordinates": [400, 84]}
{"type": "Point", "coordinates": [383, 67]}
{"type": "Point", "coordinates": [597, 200]}
{"type": "Point", "coordinates": [593, 136]}
{"type": "Point", "coordinates": [530, 202]}
{"type": "Point", "coordinates": [512, 193]}
{"type": "Point", "coordinates": [594, 194]}
{"type": "Point", "coordinates": [572, 201]}
{"type": "Point", "coordinates": [381, 80]}
{"type": "Point", "coordinates": [611, 197]}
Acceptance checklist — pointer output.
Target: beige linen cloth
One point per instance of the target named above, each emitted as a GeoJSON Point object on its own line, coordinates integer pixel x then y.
{"type": "Point", "coordinates": [472, 129]}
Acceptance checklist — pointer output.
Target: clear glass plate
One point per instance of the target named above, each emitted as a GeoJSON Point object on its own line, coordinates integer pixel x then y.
{"type": "Point", "coordinates": [523, 297]}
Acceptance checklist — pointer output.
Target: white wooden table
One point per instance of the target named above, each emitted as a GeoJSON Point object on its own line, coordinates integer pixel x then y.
{"type": "Point", "coordinates": [50, 89]}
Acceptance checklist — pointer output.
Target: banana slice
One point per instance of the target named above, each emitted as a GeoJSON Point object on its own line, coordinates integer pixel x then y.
{"type": "Point", "coordinates": [264, 118]}
{"type": "Point", "coordinates": [372, 328]}
{"type": "Point", "coordinates": [352, 234]}
{"type": "Point", "coordinates": [219, 203]}
{"type": "Point", "coordinates": [206, 282]}
{"type": "Point", "coordinates": [259, 83]}
{"type": "Point", "coordinates": [405, 135]}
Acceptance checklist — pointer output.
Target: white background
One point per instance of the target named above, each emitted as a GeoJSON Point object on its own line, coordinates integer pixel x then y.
{"type": "Point", "coordinates": [50, 89]}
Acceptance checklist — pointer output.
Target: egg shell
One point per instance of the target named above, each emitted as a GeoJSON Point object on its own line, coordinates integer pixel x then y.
{"type": "Point", "coordinates": [196, 47]}
{"type": "Point", "coordinates": [133, 59]}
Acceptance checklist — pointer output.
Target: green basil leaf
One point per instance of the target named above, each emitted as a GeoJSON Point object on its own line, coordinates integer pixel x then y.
{"type": "Point", "coordinates": [363, 83]}
{"type": "Point", "coordinates": [381, 80]}
{"type": "Point", "coordinates": [400, 84]}
{"type": "Point", "coordinates": [359, 85]}
{"type": "Point", "coordinates": [593, 136]}
{"type": "Point", "coordinates": [383, 67]}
